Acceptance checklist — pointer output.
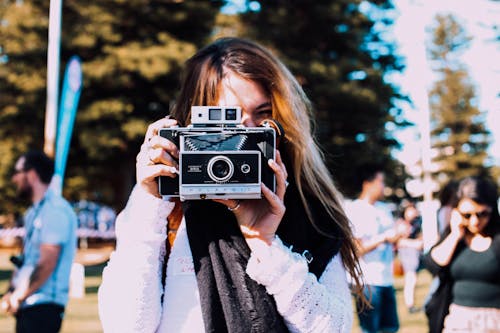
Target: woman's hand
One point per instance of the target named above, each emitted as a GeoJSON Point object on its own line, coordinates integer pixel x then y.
{"type": "Point", "coordinates": [157, 157]}
{"type": "Point", "coordinates": [457, 224]}
{"type": "Point", "coordinates": [261, 218]}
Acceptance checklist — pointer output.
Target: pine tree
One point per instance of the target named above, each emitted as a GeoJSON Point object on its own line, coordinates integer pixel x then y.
{"type": "Point", "coordinates": [341, 59]}
{"type": "Point", "coordinates": [458, 132]}
{"type": "Point", "coordinates": [132, 53]}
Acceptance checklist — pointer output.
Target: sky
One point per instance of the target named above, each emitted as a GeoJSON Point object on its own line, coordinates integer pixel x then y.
{"type": "Point", "coordinates": [482, 60]}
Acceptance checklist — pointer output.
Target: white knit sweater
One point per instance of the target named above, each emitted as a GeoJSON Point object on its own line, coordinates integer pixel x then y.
{"type": "Point", "coordinates": [131, 289]}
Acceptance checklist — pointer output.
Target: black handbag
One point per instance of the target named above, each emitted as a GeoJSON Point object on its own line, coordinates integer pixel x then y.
{"type": "Point", "coordinates": [437, 308]}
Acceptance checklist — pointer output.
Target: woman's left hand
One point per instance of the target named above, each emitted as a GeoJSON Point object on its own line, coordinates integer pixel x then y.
{"type": "Point", "coordinates": [261, 218]}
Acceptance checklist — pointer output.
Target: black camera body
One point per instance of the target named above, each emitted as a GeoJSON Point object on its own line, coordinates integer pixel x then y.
{"type": "Point", "coordinates": [219, 158]}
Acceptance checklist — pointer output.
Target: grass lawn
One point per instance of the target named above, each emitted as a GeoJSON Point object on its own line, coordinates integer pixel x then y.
{"type": "Point", "coordinates": [409, 323]}
{"type": "Point", "coordinates": [81, 314]}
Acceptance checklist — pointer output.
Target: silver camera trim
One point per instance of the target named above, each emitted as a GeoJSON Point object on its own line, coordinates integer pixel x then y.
{"type": "Point", "coordinates": [201, 124]}
{"type": "Point", "coordinates": [201, 115]}
{"type": "Point", "coordinates": [210, 167]}
{"type": "Point", "coordinates": [220, 190]}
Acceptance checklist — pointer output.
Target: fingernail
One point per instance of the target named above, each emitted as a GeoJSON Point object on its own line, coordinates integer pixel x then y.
{"type": "Point", "coordinates": [173, 170]}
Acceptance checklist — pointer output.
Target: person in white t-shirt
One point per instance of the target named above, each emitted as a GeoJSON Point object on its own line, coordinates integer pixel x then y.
{"type": "Point", "coordinates": [376, 233]}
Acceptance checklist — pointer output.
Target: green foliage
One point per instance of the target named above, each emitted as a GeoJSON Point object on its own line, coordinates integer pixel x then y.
{"type": "Point", "coordinates": [340, 58]}
{"type": "Point", "coordinates": [458, 132]}
{"type": "Point", "coordinates": [132, 53]}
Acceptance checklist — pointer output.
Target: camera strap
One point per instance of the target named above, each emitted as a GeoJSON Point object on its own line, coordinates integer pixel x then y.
{"type": "Point", "coordinates": [33, 221]}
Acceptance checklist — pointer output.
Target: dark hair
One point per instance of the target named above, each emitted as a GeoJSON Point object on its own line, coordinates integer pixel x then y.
{"type": "Point", "coordinates": [367, 172]}
{"type": "Point", "coordinates": [483, 192]}
{"type": "Point", "coordinates": [41, 163]}
{"type": "Point", "coordinates": [448, 194]}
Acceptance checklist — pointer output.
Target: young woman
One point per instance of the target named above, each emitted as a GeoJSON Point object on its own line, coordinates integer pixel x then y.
{"type": "Point", "coordinates": [468, 260]}
{"type": "Point", "coordinates": [276, 264]}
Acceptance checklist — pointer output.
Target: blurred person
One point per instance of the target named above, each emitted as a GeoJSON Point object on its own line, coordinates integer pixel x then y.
{"type": "Point", "coordinates": [447, 197]}
{"type": "Point", "coordinates": [376, 234]}
{"type": "Point", "coordinates": [38, 291]}
{"type": "Point", "coordinates": [227, 266]}
{"type": "Point", "coordinates": [409, 250]}
{"type": "Point", "coordinates": [467, 261]}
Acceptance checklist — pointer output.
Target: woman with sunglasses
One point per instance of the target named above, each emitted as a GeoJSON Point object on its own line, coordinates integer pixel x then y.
{"type": "Point", "coordinates": [468, 259]}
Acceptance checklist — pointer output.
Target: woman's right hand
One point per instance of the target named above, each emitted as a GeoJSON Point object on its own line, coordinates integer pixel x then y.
{"type": "Point", "coordinates": [457, 224]}
{"type": "Point", "coordinates": [157, 157]}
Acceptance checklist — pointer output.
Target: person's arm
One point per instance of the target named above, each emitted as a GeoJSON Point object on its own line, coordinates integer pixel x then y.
{"type": "Point", "coordinates": [442, 253]}
{"type": "Point", "coordinates": [131, 288]}
{"type": "Point", "coordinates": [366, 245]}
{"type": "Point", "coordinates": [416, 243]}
{"type": "Point", "coordinates": [49, 256]}
{"type": "Point", "coordinates": [306, 304]}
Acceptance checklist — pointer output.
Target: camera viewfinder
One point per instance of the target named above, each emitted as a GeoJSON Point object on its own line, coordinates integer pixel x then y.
{"type": "Point", "coordinates": [230, 114]}
{"type": "Point", "coordinates": [214, 114]}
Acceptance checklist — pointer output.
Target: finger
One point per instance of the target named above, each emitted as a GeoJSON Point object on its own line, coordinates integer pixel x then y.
{"type": "Point", "coordinates": [157, 125]}
{"type": "Point", "coordinates": [151, 172]}
{"type": "Point", "coordinates": [5, 305]}
{"type": "Point", "coordinates": [281, 164]}
{"type": "Point", "coordinates": [280, 178]}
{"type": "Point", "coordinates": [158, 150]}
{"type": "Point", "coordinates": [456, 218]}
{"type": "Point", "coordinates": [165, 144]}
{"type": "Point", "coordinates": [274, 201]}
{"type": "Point", "coordinates": [160, 156]}
{"type": "Point", "coordinates": [147, 157]}
{"type": "Point", "coordinates": [229, 203]}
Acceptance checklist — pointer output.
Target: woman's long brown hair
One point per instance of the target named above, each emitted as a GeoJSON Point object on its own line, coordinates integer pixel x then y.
{"type": "Point", "coordinates": [290, 107]}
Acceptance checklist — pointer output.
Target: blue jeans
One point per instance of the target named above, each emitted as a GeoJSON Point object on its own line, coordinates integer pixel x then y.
{"type": "Point", "coordinates": [383, 315]}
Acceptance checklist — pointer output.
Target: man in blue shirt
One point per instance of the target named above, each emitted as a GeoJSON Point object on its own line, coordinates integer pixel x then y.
{"type": "Point", "coordinates": [38, 291]}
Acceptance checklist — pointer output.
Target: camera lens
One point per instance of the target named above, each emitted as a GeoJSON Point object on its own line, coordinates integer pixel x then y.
{"type": "Point", "coordinates": [220, 168]}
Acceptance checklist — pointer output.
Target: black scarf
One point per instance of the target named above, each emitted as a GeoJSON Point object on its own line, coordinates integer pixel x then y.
{"type": "Point", "coordinates": [230, 300]}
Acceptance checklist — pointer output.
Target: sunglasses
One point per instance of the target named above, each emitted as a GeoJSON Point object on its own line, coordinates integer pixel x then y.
{"type": "Point", "coordinates": [479, 215]}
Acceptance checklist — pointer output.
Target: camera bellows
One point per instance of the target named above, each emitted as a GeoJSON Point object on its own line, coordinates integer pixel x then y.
{"type": "Point", "coordinates": [215, 142]}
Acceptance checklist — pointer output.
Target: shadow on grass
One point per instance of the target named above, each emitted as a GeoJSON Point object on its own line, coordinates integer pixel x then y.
{"type": "Point", "coordinates": [91, 290]}
{"type": "Point", "coordinates": [95, 270]}
{"type": "Point", "coordinates": [5, 274]}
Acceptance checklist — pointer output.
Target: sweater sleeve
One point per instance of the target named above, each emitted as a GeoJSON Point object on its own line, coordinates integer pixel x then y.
{"type": "Point", "coordinates": [306, 304]}
{"type": "Point", "coordinates": [131, 289]}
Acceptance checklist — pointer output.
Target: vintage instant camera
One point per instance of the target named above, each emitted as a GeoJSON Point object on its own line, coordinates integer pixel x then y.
{"type": "Point", "coordinates": [219, 158]}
